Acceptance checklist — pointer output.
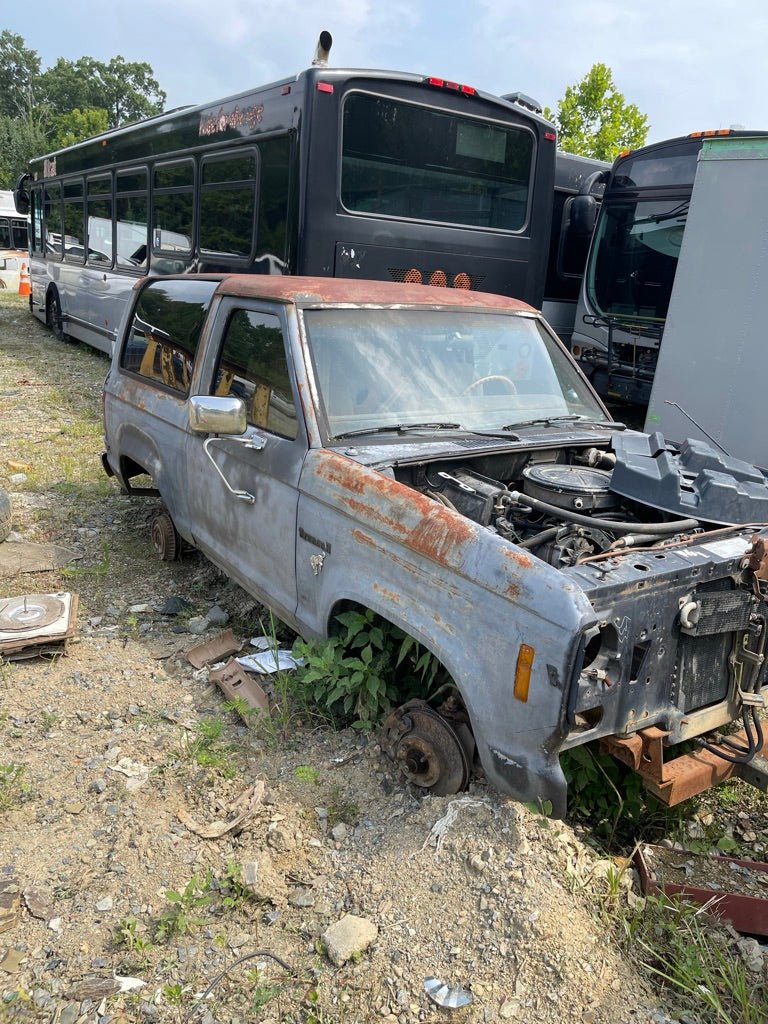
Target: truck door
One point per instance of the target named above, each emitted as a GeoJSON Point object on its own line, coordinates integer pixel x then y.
{"type": "Point", "coordinates": [243, 491]}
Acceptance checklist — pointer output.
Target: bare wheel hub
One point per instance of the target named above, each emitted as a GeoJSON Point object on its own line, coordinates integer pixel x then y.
{"type": "Point", "coordinates": [165, 538]}
{"type": "Point", "coordinates": [426, 747]}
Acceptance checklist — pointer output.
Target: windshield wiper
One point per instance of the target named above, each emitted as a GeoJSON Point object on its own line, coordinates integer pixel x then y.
{"type": "Point", "coordinates": [548, 421]}
{"type": "Point", "coordinates": [397, 428]}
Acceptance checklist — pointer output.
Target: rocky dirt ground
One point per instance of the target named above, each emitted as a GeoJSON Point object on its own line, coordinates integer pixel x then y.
{"type": "Point", "coordinates": [118, 759]}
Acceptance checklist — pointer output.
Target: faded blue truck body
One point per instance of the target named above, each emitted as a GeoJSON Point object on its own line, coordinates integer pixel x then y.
{"type": "Point", "coordinates": [625, 634]}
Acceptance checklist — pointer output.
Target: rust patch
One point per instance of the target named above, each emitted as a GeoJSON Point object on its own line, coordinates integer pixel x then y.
{"type": "Point", "coordinates": [363, 538]}
{"type": "Point", "coordinates": [440, 535]}
{"type": "Point", "coordinates": [522, 560]}
{"type": "Point", "coordinates": [339, 470]}
{"type": "Point", "coordinates": [311, 290]}
{"type": "Point", "coordinates": [391, 595]}
{"type": "Point", "coordinates": [677, 780]}
{"type": "Point", "coordinates": [367, 511]}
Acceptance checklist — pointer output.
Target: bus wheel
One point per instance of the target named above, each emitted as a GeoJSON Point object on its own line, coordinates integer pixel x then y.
{"type": "Point", "coordinates": [165, 538]}
{"type": "Point", "coordinates": [53, 315]}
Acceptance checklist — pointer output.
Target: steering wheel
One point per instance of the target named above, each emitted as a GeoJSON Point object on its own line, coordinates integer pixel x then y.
{"type": "Point", "coordinates": [493, 376]}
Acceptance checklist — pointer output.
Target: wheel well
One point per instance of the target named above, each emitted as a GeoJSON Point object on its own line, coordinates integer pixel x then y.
{"type": "Point", "coordinates": [442, 676]}
{"type": "Point", "coordinates": [129, 470]}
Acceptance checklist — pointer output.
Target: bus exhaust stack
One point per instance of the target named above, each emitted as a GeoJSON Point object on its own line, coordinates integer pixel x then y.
{"type": "Point", "coordinates": [323, 49]}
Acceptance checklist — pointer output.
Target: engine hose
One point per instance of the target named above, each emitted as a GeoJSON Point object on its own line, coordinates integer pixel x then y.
{"type": "Point", "coordinates": [755, 742]}
{"type": "Point", "coordinates": [678, 526]}
{"type": "Point", "coordinates": [540, 538]}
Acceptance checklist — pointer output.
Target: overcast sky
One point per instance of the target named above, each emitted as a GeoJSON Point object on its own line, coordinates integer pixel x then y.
{"type": "Point", "coordinates": [687, 64]}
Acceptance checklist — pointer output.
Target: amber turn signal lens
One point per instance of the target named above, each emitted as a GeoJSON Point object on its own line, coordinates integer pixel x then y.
{"type": "Point", "coordinates": [523, 672]}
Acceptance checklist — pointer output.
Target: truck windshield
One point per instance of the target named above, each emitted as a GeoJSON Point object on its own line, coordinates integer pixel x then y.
{"type": "Point", "coordinates": [477, 370]}
{"type": "Point", "coordinates": [637, 247]}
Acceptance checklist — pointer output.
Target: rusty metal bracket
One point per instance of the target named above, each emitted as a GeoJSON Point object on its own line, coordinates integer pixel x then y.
{"type": "Point", "coordinates": [685, 776]}
{"type": "Point", "coordinates": [643, 751]}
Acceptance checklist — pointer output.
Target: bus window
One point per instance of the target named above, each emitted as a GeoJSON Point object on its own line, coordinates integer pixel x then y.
{"type": "Point", "coordinates": [131, 219]}
{"type": "Point", "coordinates": [404, 160]}
{"type": "Point", "coordinates": [36, 222]}
{"type": "Point", "coordinates": [19, 234]}
{"type": "Point", "coordinates": [173, 211]}
{"type": "Point", "coordinates": [100, 220]}
{"type": "Point", "coordinates": [272, 255]}
{"type": "Point", "coordinates": [52, 217]}
{"type": "Point", "coordinates": [228, 185]}
{"type": "Point", "coordinates": [74, 221]}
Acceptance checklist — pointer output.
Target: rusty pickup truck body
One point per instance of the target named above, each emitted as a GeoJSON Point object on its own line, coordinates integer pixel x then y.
{"type": "Point", "coordinates": [436, 456]}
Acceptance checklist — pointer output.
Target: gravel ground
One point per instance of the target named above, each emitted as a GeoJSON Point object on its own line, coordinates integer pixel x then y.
{"type": "Point", "coordinates": [117, 755]}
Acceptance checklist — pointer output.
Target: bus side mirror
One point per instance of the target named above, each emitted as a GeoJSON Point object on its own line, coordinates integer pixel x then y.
{"type": "Point", "coordinates": [21, 196]}
{"type": "Point", "coordinates": [583, 215]}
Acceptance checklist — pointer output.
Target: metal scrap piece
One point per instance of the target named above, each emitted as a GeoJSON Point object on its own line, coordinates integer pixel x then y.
{"type": "Point", "coordinates": [219, 647]}
{"type": "Point", "coordinates": [445, 995]}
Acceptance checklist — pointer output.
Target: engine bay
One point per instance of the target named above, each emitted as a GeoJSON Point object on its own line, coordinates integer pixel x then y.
{"type": "Point", "coordinates": [569, 503]}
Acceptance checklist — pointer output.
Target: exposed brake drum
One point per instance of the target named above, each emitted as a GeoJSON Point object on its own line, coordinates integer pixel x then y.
{"type": "Point", "coordinates": [430, 752]}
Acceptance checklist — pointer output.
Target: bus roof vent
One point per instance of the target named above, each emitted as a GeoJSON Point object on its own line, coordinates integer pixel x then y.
{"type": "Point", "coordinates": [322, 50]}
{"type": "Point", "coordinates": [524, 101]}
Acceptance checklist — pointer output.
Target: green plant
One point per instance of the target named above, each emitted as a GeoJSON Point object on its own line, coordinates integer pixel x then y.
{"type": "Point", "coordinates": [607, 794]}
{"type": "Point", "coordinates": [696, 963]}
{"type": "Point", "coordinates": [100, 569]}
{"type": "Point", "coordinates": [234, 894]}
{"type": "Point", "coordinates": [174, 994]}
{"type": "Point", "coordinates": [543, 809]}
{"type": "Point", "coordinates": [307, 773]}
{"type": "Point", "coordinates": [206, 748]}
{"type": "Point", "coordinates": [133, 937]}
{"type": "Point", "coordinates": [184, 913]}
{"type": "Point", "coordinates": [47, 721]}
{"type": "Point", "coordinates": [13, 788]}
{"type": "Point", "coordinates": [363, 669]}
{"type": "Point", "coordinates": [261, 993]}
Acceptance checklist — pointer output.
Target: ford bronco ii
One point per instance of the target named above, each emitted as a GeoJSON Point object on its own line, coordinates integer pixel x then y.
{"type": "Point", "coordinates": [436, 456]}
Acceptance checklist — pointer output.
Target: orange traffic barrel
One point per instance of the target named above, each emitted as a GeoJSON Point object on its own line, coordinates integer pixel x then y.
{"type": "Point", "coordinates": [25, 285]}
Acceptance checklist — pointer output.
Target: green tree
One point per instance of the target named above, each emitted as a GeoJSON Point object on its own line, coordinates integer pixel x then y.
{"type": "Point", "coordinates": [593, 118]}
{"type": "Point", "coordinates": [78, 125]}
{"type": "Point", "coordinates": [20, 139]}
{"type": "Point", "coordinates": [126, 90]}
{"type": "Point", "coordinates": [19, 69]}
{"type": "Point", "coordinates": [41, 111]}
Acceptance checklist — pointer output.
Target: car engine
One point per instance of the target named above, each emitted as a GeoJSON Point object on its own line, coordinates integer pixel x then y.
{"type": "Point", "coordinates": [571, 503]}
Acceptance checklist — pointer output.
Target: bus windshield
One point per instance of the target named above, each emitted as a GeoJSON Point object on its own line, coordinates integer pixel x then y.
{"type": "Point", "coordinates": [412, 161]}
{"type": "Point", "coordinates": [636, 248]}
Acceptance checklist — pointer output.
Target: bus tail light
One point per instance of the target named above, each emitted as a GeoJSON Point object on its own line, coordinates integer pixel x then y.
{"type": "Point", "coordinates": [324, 87]}
{"type": "Point", "coordinates": [438, 279]}
{"type": "Point", "coordinates": [413, 276]}
{"type": "Point", "coordinates": [523, 672]}
{"type": "Point", "coordinates": [443, 83]}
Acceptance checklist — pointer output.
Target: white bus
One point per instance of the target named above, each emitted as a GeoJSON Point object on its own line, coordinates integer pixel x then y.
{"type": "Point", "coordinates": [13, 242]}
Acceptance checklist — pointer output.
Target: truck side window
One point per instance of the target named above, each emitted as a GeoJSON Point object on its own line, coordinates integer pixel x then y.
{"type": "Point", "coordinates": [166, 330]}
{"type": "Point", "coordinates": [253, 365]}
